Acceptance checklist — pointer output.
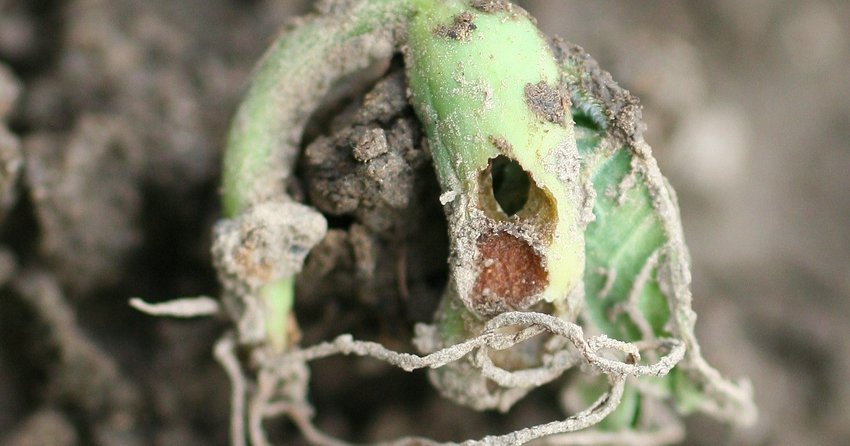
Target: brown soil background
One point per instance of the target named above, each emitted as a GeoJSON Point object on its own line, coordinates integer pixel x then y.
{"type": "Point", "coordinates": [122, 112]}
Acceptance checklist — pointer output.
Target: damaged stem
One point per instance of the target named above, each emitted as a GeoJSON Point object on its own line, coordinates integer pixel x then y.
{"type": "Point", "coordinates": [489, 94]}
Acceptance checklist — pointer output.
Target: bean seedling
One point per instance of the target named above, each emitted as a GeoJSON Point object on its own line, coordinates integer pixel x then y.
{"type": "Point", "coordinates": [566, 249]}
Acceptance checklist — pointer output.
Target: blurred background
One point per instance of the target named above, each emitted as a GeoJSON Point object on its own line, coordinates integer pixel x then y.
{"type": "Point", "coordinates": [112, 118]}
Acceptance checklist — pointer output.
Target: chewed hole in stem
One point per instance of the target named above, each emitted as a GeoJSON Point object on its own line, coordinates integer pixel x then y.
{"type": "Point", "coordinates": [511, 184]}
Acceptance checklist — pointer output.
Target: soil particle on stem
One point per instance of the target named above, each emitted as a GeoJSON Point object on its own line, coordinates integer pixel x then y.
{"type": "Point", "coordinates": [548, 103]}
{"type": "Point", "coordinates": [267, 243]}
{"type": "Point", "coordinates": [461, 28]}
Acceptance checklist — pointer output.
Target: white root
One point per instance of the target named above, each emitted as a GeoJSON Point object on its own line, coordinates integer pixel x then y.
{"type": "Point", "coordinates": [272, 399]}
{"type": "Point", "coordinates": [187, 307]}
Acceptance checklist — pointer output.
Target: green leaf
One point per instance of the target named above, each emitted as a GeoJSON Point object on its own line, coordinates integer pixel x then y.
{"type": "Point", "coordinates": [637, 272]}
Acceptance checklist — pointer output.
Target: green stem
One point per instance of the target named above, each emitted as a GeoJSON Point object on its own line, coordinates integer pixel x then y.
{"type": "Point", "coordinates": [290, 82]}
{"type": "Point", "coordinates": [278, 298]}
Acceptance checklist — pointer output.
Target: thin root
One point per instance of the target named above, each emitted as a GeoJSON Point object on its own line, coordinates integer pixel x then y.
{"type": "Point", "coordinates": [276, 371]}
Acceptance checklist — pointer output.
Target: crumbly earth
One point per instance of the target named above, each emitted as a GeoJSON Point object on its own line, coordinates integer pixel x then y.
{"type": "Point", "coordinates": [112, 117]}
{"type": "Point", "coordinates": [372, 177]}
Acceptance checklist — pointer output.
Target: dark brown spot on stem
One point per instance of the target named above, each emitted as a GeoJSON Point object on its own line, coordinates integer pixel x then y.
{"type": "Point", "coordinates": [511, 273]}
{"type": "Point", "coordinates": [460, 29]}
{"type": "Point", "coordinates": [548, 103]}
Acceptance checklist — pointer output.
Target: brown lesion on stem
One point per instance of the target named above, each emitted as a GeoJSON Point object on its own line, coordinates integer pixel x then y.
{"type": "Point", "coordinates": [548, 103]}
{"type": "Point", "coordinates": [511, 274]}
{"type": "Point", "coordinates": [460, 29]}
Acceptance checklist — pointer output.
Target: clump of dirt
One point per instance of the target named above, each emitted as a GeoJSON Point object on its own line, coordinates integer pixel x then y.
{"type": "Point", "coordinates": [367, 167]}
{"type": "Point", "coordinates": [372, 177]}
